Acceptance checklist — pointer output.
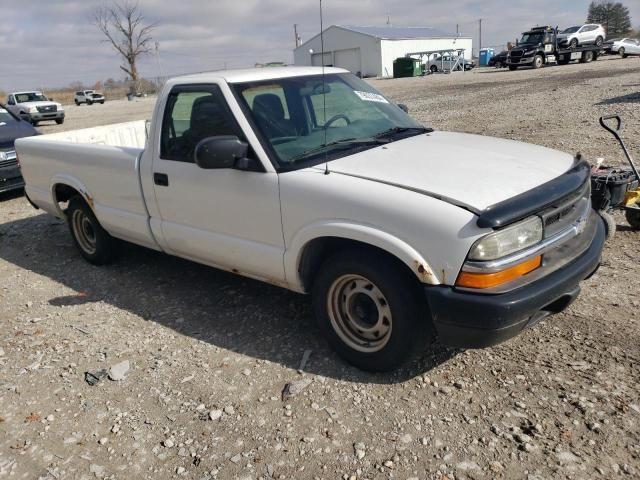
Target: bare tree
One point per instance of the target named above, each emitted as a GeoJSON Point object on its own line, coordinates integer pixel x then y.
{"type": "Point", "coordinates": [129, 34]}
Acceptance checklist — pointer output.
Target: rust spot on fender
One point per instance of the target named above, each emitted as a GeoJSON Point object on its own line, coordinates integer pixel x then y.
{"type": "Point", "coordinates": [89, 199]}
{"type": "Point", "coordinates": [424, 272]}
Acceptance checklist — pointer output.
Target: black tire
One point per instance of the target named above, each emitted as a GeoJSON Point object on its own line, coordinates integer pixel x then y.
{"type": "Point", "coordinates": [34, 123]}
{"type": "Point", "coordinates": [388, 302]}
{"type": "Point", "coordinates": [89, 102]}
{"type": "Point", "coordinates": [621, 52]}
{"type": "Point", "coordinates": [610, 226]}
{"type": "Point", "coordinates": [59, 121]}
{"type": "Point", "coordinates": [101, 102]}
{"type": "Point", "coordinates": [633, 216]}
{"type": "Point", "coordinates": [573, 43]}
{"type": "Point", "coordinates": [77, 103]}
{"type": "Point", "coordinates": [94, 243]}
{"type": "Point", "coordinates": [498, 65]}
{"type": "Point", "coordinates": [433, 68]}
{"type": "Point", "coordinates": [538, 61]}
{"type": "Point", "coordinates": [587, 57]}
{"type": "Point", "coordinates": [599, 41]}
{"type": "Point", "coordinates": [513, 67]}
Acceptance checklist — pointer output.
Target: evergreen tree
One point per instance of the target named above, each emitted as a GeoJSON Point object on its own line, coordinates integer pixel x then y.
{"type": "Point", "coordinates": [614, 17]}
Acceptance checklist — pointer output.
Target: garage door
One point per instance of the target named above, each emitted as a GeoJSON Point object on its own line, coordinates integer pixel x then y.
{"type": "Point", "coordinates": [316, 59]}
{"type": "Point", "coordinates": [349, 59]}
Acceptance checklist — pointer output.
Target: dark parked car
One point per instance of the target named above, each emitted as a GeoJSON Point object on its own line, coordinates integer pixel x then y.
{"type": "Point", "coordinates": [499, 60]}
{"type": "Point", "coordinates": [11, 128]}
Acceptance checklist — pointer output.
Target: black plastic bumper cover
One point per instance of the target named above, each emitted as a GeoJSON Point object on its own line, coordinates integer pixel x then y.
{"type": "Point", "coordinates": [468, 320]}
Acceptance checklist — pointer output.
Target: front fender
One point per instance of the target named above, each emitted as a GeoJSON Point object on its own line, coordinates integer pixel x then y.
{"type": "Point", "coordinates": [352, 231]}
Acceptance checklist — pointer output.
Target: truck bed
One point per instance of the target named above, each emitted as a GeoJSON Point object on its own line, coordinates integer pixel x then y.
{"type": "Point", "coordinates": [101, 160]}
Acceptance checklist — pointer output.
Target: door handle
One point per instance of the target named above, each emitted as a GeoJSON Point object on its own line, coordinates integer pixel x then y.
{"type": "Point", "coordinates": [161, 179]}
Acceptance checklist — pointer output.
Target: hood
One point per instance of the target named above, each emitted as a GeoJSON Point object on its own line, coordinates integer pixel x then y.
{"type": "Point", "coordinates": [12, 130]}
{"type": "Point", "coordinates": [471, 171]}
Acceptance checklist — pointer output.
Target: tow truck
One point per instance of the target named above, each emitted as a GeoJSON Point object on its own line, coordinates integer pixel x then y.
{"type": "Point", "coordinates": [539, 46]}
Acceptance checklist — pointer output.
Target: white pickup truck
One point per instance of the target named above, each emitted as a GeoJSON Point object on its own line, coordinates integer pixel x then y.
{"type": "Point", "coordinates": [318, 183]}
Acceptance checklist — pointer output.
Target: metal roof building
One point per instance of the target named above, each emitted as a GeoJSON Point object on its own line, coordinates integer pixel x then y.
{"type": "Point", "coordinates": [370, 51]}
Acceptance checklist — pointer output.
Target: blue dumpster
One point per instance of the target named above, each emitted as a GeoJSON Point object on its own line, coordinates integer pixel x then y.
{"type": "Point", "coordinates": [485, 55]}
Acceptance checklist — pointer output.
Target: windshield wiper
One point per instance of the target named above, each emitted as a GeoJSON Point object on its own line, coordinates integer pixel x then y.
{"type": "Point", "coordinates": [344, 143]}
{"type": "Point", "coordinates": [394, 130]}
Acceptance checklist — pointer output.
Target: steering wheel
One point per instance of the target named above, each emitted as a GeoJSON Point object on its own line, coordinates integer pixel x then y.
{"type": "Point", "coordinates": [335, 118]}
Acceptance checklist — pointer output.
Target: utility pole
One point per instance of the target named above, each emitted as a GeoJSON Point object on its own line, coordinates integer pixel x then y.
{"type": "Point", "coordinates": [160, 74]}
{"type": "Point", "coordinates": [295, 34]}
{"type": "Point", "coordinates": [480, 46]}
{"type": "Point", "coordinates": [457, 29]}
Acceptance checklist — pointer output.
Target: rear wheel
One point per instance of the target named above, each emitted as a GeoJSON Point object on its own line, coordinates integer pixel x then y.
{"type": "Point", "coordinates": [622, 52]}
{"type": "Point", "coordinates": [89, 102]}
{"type": "Point", "coordinates": [610, 226]}
{"type": "Point", "coordinates": [599, 41]}
{"type": "Point", "coordinates": [94, 243]}
{"type": "Point", "coordinates": [101, 102]}
{"type": "Point", "coordinates": [633, 216]}
{"type": "Point", "coordinates": [498, 65]}
{"type": "Point", "coordinates": [587, 57]}
{"type": "Point", "coordinates": [370, 310]}
{"type": "Point", "coordinates": [433, 69]}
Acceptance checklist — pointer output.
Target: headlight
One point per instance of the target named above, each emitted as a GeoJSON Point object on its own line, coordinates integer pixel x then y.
{"type": "Point", "coordinates": [33, 109]}
{"type": "Point", "coordinates": [530, 52]}
{"type": "Point", "coordinates": [510, 240]}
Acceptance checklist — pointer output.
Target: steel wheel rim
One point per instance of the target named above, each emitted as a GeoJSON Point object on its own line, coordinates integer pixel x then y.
{"type": "Point", "coordinates": [84, 231]}
{"type": "Point", "coordinates": [360, 313]}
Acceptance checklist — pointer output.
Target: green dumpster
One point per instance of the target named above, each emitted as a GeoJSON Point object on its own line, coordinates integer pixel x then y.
{"type": "Point", "coordinates": [406, 67]}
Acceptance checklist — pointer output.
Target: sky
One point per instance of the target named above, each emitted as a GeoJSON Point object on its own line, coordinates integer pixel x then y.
{"type": "Point", "coordinates": [52, 43]}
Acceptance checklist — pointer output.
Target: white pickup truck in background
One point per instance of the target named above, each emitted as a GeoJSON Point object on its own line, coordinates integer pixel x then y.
{"type": "Point", "coordinates": [319, 184]}
{"type": "Point", "coordinates": [35, 107]}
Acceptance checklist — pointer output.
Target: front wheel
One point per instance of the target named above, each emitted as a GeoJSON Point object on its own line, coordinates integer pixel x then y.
{"type": "Point", "coordinates": [433, 69]}
{"type": "Point", "coordinates": [94, 243]}
{"type": "Point", "coordinates": [573, 43]}
{"type": "Point", "coordinates": [370, 310]}
{"type": "Point", "coordinates": [599, 41]}
{"type": "Point", "coordinates": [538, 61]}
{"type": "Point", "coordinates": [622, 53]}
{"type": "Point", "coordinates": [512, 67]}
{"type": "Point", "coordinates": [59, 121]}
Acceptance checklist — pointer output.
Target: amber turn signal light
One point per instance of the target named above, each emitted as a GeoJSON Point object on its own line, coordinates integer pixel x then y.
{"type": "Point", "coordinates": [488, 280]}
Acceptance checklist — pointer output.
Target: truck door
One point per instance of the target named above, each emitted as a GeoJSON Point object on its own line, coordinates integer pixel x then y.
{"type": "Point", "coordinates": [226, 218]}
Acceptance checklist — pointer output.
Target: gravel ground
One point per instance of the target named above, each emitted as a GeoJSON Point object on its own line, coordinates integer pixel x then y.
{"type": "Point", "coordinates": [200, 357]}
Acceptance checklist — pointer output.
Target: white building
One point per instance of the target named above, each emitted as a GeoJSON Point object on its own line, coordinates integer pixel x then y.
{"type": "Point", "coordinates": [371, 51]}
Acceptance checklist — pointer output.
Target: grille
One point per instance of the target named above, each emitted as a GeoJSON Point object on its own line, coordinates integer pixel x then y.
{"type": "Point", "coordinates": [567, 211]}
{"type": "Point", "coordinates": [47, 109]}
{"type": "Point", "coordinates": [516, 54]}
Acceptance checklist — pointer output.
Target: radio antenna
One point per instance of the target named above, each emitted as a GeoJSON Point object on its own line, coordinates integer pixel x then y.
{"type": "Point", "coordinates": [324, 93]}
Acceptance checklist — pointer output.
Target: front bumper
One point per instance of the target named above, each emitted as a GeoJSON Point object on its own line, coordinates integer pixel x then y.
{"type": "Point", "coordinates": [41, 117]}
{"type": "Point", "coordinates": [471, 320]}
{"type": "Point", "coordinates": [521, 61]}
{"type": "Point", "coordinates": [11, 179]}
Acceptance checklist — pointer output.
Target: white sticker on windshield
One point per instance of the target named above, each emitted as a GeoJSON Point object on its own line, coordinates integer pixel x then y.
{"type": "Point", "coordinates": [371, 97]}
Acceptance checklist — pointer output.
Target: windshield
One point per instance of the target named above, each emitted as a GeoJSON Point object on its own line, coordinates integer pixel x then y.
{"type": "Point", "coordinates": [30, 97]}
{"type": "Point", "coordinates": [290, 114]}
{"type": "Point", "coordinates": [6, 117]}
{"type": "Point", "coordinates": [532, 38]}
{"type": "Point", "coordinates": [571, 30]}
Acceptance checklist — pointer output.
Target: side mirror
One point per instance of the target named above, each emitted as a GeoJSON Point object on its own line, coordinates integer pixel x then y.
{"type": "Point", "coordinates": [403, 107]}
{"type": "Point", "coordinates": [220, 152]}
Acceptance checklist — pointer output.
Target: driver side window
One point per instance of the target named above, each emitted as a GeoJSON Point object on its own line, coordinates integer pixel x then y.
{"type": "Point", "coordinates": [191, 115]}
